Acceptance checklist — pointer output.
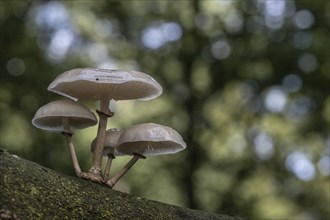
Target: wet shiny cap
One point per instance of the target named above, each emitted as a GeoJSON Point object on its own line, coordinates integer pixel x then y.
{"type": "Point", "coordinates": [96, 84]}
{"type": "Point", "coordinates": [150, 139]}
{"type": "Point", "coordinates": [63, 116]}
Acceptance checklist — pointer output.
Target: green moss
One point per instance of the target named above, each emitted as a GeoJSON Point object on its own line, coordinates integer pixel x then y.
{"type": "Point", "coordinates": [34, 192]}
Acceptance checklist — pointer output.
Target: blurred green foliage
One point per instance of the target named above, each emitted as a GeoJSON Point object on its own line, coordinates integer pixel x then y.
{"type": "Point", "coordinates": [245, 82]}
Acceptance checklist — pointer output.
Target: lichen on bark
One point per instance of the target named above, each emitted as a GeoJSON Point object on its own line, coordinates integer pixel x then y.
{"type": "Point", "coordinates": [30, 191]}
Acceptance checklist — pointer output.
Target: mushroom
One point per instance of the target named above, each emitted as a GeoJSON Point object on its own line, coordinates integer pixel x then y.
{"type": "Point", "coordinates": [146, 139]}
{"type": "Point", "coordinates": [64, 116]}
{"type": "Point", "coordinates": [104, 85]}
{"type": "Point", "coordinates": [109, 150]}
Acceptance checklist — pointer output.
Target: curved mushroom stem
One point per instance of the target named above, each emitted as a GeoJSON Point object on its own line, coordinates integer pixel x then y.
{"type": "Point", "coordinates": [124, 170]}
{"type": "Point", "coordinates": [67, 133]}
{"type": "Point", "coordinates": [72, 153]}
{"type": "Point", "coordinates": [95, 172]}
{"type": "Point", "coordinates": [108, 166]}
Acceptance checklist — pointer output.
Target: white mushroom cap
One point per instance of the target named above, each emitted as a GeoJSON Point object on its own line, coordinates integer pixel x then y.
{"type": "Point", "coordinates": [150, 139]}
{"type": "Point", "coordinates": [55, 115]}
{"type": "Point", "coordinates": [111, 142]}
{"type": "Point", "coordinates": [89, 83]}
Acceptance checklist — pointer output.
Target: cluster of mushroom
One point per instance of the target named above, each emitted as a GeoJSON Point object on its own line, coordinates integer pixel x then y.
{"type": "Point", "coordinates": [139, 140]}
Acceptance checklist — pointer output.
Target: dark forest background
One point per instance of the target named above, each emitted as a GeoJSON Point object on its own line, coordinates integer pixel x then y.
{"type": "Point", "coordinates": [246, 83]}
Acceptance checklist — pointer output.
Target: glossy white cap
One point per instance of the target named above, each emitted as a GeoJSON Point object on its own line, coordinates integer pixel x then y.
{"type": "Point", "coordinates": [150, 139]}
{"type": "Point", "coordinates": [97, 84]}
{"type": "Point", "coordinates": [63, 116]}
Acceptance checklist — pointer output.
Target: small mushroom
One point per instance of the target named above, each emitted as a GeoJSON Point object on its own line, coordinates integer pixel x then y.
{"type": "Point", "coordinates": [104, 85]}
{"type": "Point", "coordinates": [146, 139]}
{"type": "Point", "coordinates": [109, 150]}
{"type": "Point", "coordinates": [64, 116]}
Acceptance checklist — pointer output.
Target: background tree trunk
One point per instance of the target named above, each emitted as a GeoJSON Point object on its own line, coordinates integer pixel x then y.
{"type": "Point", "coordinates": [30, 191]}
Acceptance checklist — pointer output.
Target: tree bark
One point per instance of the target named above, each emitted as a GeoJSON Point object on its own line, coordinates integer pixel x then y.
{"type": "Point", "coordinates": [30, 191]}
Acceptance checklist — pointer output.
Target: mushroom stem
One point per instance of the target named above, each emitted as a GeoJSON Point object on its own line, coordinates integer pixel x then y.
{"type": "Point", "coordinates": [67, 133]}
{"type": "Point", "coordinates": [108, 166]}
{"type": "Point", "coordinates": [94, 173]}
{"type": "Point", "coordinates": [72, 153]}
{"type": "Point", "coordinates": [124, 170]}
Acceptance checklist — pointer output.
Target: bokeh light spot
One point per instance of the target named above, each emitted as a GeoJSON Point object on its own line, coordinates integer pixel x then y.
{"type": "Point", "coordinates": [263, 146]}
{"type": "Point", "coordinates": [233, 22]}
{"type": "Point", "coordinates": [156, 36]}
{"type": "Point", "coordinates": [220, 50]}
{"type": "Point", "coordinates": [273, 13]}
{"type": "Point", "coordinates": [307, 62]}
{"type": "Point", "coordinates": [52, 14]}
{"type": "Point", "coordinates": [275, 100]}
{"type": "Point", "coordinates": [302, 40]}
{"type": "Point", "coordinates": [60, 43]}
{"type": "Point", "coordinates": [292, 83]}
{"type": "Point", "coordinates": [172, 31]}
{"type": "Point", "coordinates": [275, 8]}
{"type": "Point", "coordinates": [324, 165]}
{"type": "Point", "coordinates": [299, 108]}
{"type": "Point", "coordinates": [303, 19]}
{"type": "Point", "coordinates": [300, 165]}
{"type": "Point", "coordinates": [15, 66]}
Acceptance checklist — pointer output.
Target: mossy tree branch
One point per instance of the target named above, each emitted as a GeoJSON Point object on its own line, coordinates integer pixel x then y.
{"type": "Point", "coordinates": [30, 191]}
